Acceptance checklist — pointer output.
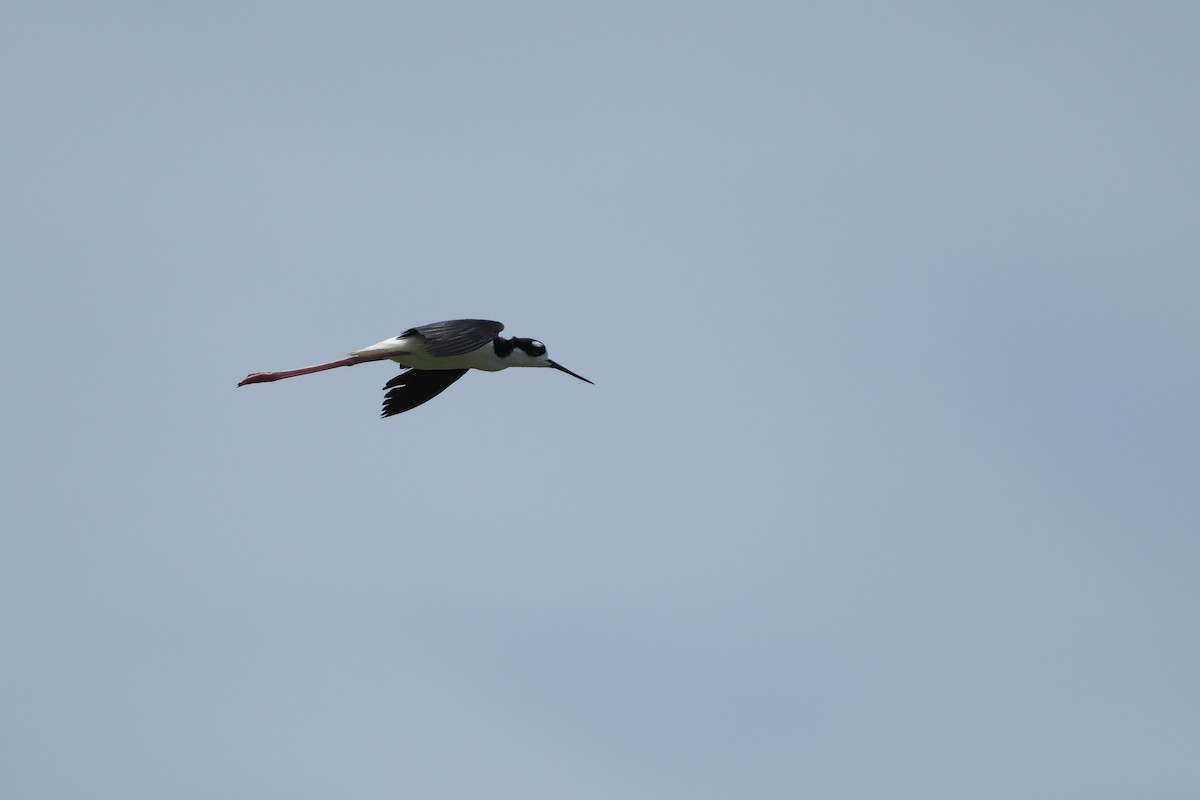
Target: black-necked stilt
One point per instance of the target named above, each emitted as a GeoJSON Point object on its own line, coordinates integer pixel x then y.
{"type": "Point", "coordinates": [435, 356]}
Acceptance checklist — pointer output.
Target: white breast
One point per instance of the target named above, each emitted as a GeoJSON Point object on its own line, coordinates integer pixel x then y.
{"type": "Point", "coordinates": [410, 352]}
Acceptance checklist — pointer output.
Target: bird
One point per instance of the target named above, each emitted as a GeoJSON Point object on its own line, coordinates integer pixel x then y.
{"type": "Point", "coordinates": [434, 356]}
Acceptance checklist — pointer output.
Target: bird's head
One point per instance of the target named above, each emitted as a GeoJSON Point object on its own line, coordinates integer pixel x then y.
{"type": "Point", "coordinates": [532, 353]}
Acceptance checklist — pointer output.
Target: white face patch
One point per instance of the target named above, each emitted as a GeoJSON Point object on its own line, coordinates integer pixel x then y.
{"type": "Point", "coordinates": [536, 343]}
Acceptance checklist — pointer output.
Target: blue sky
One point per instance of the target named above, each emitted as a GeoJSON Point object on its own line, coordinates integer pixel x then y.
{"type": "Point", "coordinates": [886, 487]}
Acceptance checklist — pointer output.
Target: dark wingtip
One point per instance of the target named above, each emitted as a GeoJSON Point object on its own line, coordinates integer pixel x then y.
{"type": "Point", "coordinates": [410, 389]}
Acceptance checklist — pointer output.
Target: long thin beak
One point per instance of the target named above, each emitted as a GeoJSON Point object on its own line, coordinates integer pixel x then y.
{"type": "Point", "coordinates": [561, 368]}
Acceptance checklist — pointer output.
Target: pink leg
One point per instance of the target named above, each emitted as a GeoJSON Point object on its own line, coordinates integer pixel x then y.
{"type": "Point", "coordinates": [267, 377]}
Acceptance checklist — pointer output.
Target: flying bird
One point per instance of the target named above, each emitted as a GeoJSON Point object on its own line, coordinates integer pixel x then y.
{"type": "Point", "coordinates": [433, 357]}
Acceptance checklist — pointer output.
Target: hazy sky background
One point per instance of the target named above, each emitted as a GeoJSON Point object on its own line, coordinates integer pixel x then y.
{"type": "Point", "coordinates": [887, 487]}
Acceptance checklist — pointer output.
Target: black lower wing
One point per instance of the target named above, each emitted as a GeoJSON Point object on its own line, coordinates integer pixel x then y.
{"type": "Point", "coordinates": [410, 389]}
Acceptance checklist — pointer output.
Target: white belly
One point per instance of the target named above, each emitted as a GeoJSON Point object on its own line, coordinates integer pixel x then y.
{"type": "Point", "coordinates": [411, 353]}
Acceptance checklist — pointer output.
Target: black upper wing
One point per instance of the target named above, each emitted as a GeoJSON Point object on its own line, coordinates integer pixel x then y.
{"type": "Point", "coordinates": [416, 386]}
{"type": "Point", "coordinates": [456, 337]}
